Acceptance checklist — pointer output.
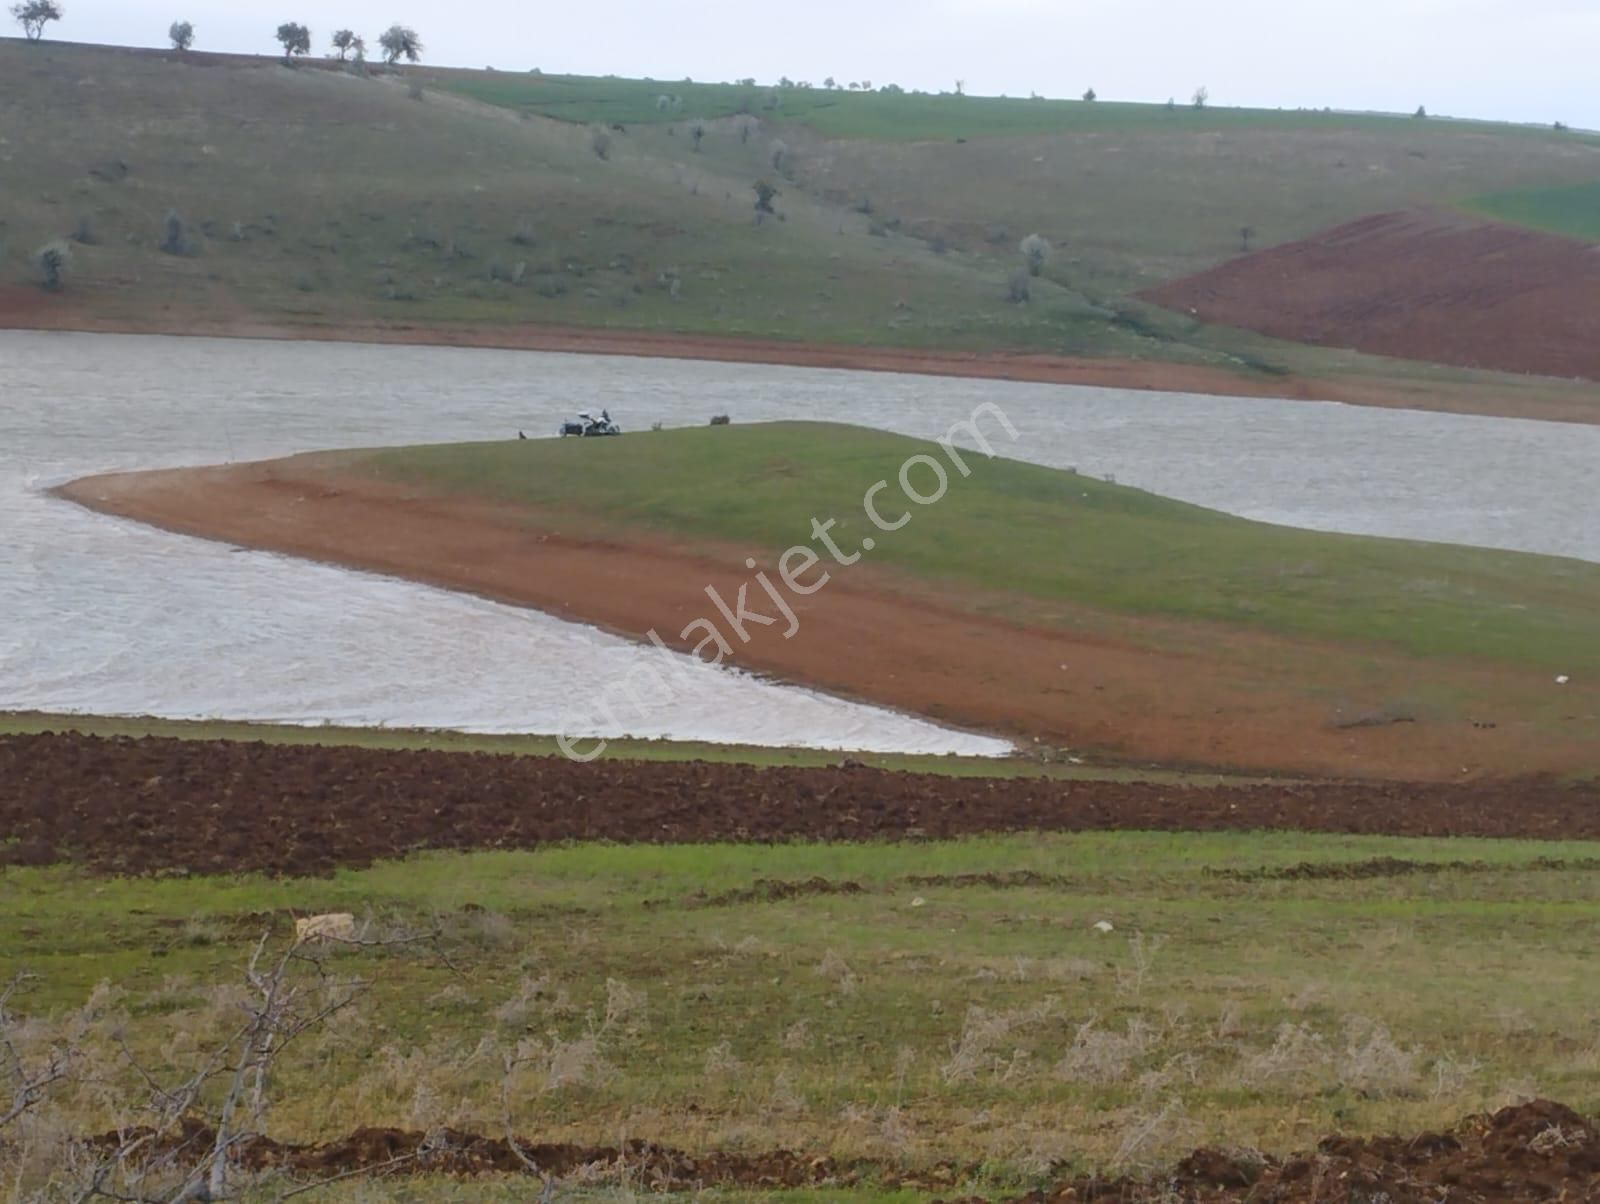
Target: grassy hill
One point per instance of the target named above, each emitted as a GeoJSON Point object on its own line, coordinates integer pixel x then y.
{"type": "Point", "coordinates": [1573, 212]}
{"type": "Point", "coordinates": [437, 198]}
{"type": "Point", "coordinates": [1041, 535]}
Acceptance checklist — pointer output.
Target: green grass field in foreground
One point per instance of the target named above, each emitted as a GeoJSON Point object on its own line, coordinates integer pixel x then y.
{"type": "Point", "coordinates": [924, 1016]}
{"type": "Point", "coordinates": [1045, 537]}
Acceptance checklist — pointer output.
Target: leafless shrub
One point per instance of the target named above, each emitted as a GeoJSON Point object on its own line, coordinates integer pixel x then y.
{"type": "Point", "coordinates": [837, 970]}
{"type": "Point", "coordinates": [1372, 1063]}
{"type": "Point", "coordinates": [720, 1061]}
{"type": "Point", "coordinates": [1102, 1056]}
{"type": "Point", "coordinates": [1149, 1136]}
{"type": "Point", "coordinates": [600, 142]}
{"type": "Point", "coordinates": [1142, 952]}
{"type": "Point", "coordinates": [533, 997]}
{"type": "Point", "coordinates": [1296, 1054]}
{"type": "Point", "coordinates": [983, 1032]}
{"type": "Point", "coordinates": [1019, 289]}
{"type": "Point", "coordinates": [1453, 1076]}
{"type": "Point", "coordinates": [778, 155]}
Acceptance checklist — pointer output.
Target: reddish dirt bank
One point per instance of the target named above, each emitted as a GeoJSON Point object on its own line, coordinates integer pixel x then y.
{"type": "Point", "coordinates": [1425, 285]}
{"type": "Point", "coordinates": [145, 806]}
{"type": "Point", "coordinates": [1147, 689]}
{"type": "Point", "coordinates": [1535, 1151]}
{"type": "Point", "coordinates": [30, 309]}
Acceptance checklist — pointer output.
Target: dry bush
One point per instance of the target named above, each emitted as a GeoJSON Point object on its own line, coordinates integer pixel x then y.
{"type": "Point", "coordinates": [797, 1036]}
{"type": "Point", "coordinates": [1100, 1056]}
{"type": "Point", "coordinates": [1453, 1076]}
{"type": "Point", "coordinates": [1296, 1055]}
{"type": "Point", "coordinates": [721, 1063]}
{"type": "Point", "coordinates": [1372, 1064]}
{"type": "Point", "coordinates": [1142, 952]}
{"type": "Point", "coordinates": [977, 1049]}
{"type": "Point", "coordinates": [837, 970]}
{"type": "Point", "coordinates": [534, 997]}
{"type": "Point", "coordinates": [1150, 1138]}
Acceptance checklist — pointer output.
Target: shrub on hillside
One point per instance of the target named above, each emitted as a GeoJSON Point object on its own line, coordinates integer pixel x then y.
{"type": "Point", "coordinates": [600, 142]}
{"type": "Point", "coordinates": [175, 236]}
{"type": "Point", "coordinates": [182, 35]}
{"type": "Point", "coordinates": [53, 260]}
{"type": "Point", "coordinates": [1036, 251]}
{"type": "Point", "coordinates": [1019, 288]}
{"type": "Point", "coordinates": [766, 193]}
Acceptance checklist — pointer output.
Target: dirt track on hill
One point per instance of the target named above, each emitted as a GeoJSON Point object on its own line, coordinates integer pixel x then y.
{"type": "Point", "coordinates": [1424, 285]}
{"type": "Point", "coordinates": [146, 806]}
{"type": "Point", "coordinates": [1146, 689]}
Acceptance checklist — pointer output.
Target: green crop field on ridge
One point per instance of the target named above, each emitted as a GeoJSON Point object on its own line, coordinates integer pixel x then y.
{"type": "Point", "coordinates": [1573, 211]}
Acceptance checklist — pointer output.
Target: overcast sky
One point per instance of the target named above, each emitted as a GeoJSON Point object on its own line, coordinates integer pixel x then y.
{"type": "Point", "coordinates": [1519, 60]}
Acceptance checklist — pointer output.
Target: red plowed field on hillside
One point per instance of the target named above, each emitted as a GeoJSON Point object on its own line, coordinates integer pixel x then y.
{"type": "Point", "coordinates": [140, 806]}
{"type": "Point", "coordinates": [1423, 285]}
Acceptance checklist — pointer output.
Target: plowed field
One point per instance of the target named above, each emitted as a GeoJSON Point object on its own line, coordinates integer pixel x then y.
{"type": "Point", "coordinates": [1425, 285]}
{"type": "Point", "coordinates": [141, 806]}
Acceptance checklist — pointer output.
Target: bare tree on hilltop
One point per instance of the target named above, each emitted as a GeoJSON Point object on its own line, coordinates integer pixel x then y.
{"type": "Point", "coordinates": [34, 15]}
{"type": "Point", "coordinates": [295, 39]}
{"type": "Point", "coordinates": [400, 42]}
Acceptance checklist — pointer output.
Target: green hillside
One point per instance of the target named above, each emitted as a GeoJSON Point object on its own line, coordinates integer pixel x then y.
{"type": "Point", "coordinates": [1573, 211]}
{"type": "Point", "coordinates": [446, 198]}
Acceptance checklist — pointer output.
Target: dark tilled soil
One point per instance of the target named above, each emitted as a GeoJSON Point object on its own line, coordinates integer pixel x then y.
{"type": "Point", "coordinates": [1535, 1151]}
{"type": "Point", "coordinates": [151, 805]}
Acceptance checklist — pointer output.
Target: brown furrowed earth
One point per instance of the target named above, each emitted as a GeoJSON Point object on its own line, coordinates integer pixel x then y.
{"type": "Point", "coordinates": [1427, 285]}
{"type": "Point", "coordinates": [1534, 1151]}
{"type": "Point", "coordinates": [1151, 691]}
{"type": "Point", "coordinates": [123, 806]}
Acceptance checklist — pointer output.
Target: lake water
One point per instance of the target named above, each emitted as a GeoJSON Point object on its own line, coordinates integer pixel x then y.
{"type": "Point", "coordinates": [106, 616]}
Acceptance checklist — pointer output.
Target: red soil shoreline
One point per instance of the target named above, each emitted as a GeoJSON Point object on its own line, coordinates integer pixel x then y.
{"type": "Point", "coordinates": [1145, 690]}
{"type": "Point", "coordinates": [30, 310]}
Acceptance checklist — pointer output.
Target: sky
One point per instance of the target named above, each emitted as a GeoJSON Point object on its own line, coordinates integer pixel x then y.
{"type": "Point", "coordinates": [1515, 60]}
